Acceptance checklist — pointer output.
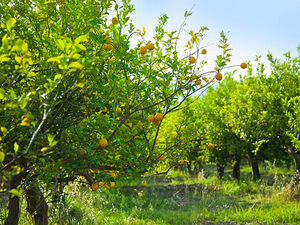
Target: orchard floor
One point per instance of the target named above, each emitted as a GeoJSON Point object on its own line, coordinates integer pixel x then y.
{"type": "Point", "coordinates": [181, 199]}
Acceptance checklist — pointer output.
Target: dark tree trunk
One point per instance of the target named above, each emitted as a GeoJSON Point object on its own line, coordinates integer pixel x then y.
{"type": "Point", "coordinates": [236, 172]}
{"type": "Point", "coordinates": [220, 170]}
{"type": "Point", "coordinates": [13, 205]}
{"type": "Point", "coordinates": [189, 167]}
{"type": "Point", "coordinates": [254, 165]}
{"type": "Point", "coordinates": [296, 155]}
{"type": "Point", "coordinates": [36, 205]}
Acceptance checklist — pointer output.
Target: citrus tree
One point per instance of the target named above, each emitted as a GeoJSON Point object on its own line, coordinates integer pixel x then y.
{"type": "Point", "coordinates": [83, 94]}
{"type": "Point", "coordinates": [257, 109]}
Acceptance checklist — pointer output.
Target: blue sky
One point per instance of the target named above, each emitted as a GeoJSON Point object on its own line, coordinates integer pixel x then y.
{"type": "Point", "coordinates": [255, 27]}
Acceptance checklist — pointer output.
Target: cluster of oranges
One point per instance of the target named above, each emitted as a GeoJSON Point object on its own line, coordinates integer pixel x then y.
{"type": "Point", "coordinates": [143, 49]}
{"type": "Point", "coordinates": [95, 186]}
{"type": "Point", "coordinates": [155, 119]}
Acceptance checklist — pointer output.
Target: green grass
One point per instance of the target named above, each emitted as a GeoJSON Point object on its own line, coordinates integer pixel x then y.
{"type": "Point", "coordinates": [178, 199]}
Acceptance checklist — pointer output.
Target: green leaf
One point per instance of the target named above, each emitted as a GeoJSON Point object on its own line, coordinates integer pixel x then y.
{"type": "Point", "coordinates": [10, 23]}
{"type": "Point", "coordinates": [60, 44]}
{"type": "Point", "coordinates": [80, 39]}
{"type": "Point", "coordinates": [14, 192]}
{"type": "Point", "coordinates": [16, 147]}
{"type": "Point", "coordinates": [51, 140]}
{"type": "Point", "coordinates": [75, 65]}
{"type": "Point", "coordinates": [3, 130]}
{"type": "Point", "coordinates": [2, 93]}
{"type": "Point", "coordinates": [55, 59]}
{"type": "Point", "coordinates": [81, 85]}
{"type": "Point", "coordinates": [2, 156]}
{"type": "Point", "coordinates": [4, 58]}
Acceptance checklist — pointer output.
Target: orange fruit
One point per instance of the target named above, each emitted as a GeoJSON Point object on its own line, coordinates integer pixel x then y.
{"type": "Point", "coordinates": [105, 109]}
{"type": "Point", "coordinates": [181, 162]}
{"type": "Point", "coordinates": [107, 47]}
{"type": "Point", "coordinates": [198, 81]}
{"type": "Point", "coordinates": [118, 110]}
{"type": "Point", "coordinates": [111, 60]}
{"type": "Point", "coordinates": [140, 194]}
{"type": "Point", "coordinates": [150, 118]}
{"type": "Point", "coordinates": [143, 50]}
{"type": "Point", "coordinates": [101, 183]}
{"type": "Point", "coordinates": [156, 122]}
{"type": "Point", "coordinates": [95, 186]}
{"type": "Point", "coordinates": [192, 59]}
{"type": "Point", "coordinates": [103, 142]}
{"type": "Point", "coordinates": [203, 51]}
{"type": "Point", "coordinates": [158, 116]}
{"type": "Point", "coordinates": [244, 65]}
{"type": "Point", "coordinates": [219, 76]}
{"type": "Point", "coordinates": [150, 46]}
{"type": "Point", "coordinates": [106, 186]}
{"type": "Point", "coordinates": [112, 184]}
{"type": "Point", "coordinates": [115, 20]}
{"type": "Point", "coordinates": [211, 146]}
{"type": "Point", "coordinates": [162, 157]}
{"type": "Point", "coordinates": [82, 152]}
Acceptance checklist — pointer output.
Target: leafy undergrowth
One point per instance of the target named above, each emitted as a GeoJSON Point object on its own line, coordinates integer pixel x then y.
{"type": "Point", "coordinates": [178, 199]}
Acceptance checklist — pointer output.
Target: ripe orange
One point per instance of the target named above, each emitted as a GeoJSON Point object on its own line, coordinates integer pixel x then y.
{"type": "Point", "coordinates": [111, 59]}
{"type": "Point", "coordinates": [101, 183]}
{"type": "Point", "coordinates": [118, 110]}
{"type": "Point", "coordinates": [244, 65]}
{"type": "Point", "coordinates": [158, 116]}
{"type": "Point", "coordinates": [107, 47]}
{"type": "Point", "coordinates": [150, 46]}
{"type": "Point", "coordinates": [150, 118]}
{"type": "Point", "coordinates": [82, 152]}
{"type": "Point", "coordinates": [115, 20]}
{"type": "Point", "coordinates": [219, 76]}
{"type": "Point", "coordinates": [105, 109]}
{"type": "Point", "coordinates": [156, 122]}
{"type": "Point", "coordinates": [143, 50]}
{"type": "Point", "coordinates": [112, 184]}
{"type": "Point", "coordinates": [198, 81]}
{"type": "Point", "coordinates": [103, 142]}
{"type": "Point", "coordinates": [162, 157]}
{"type": "Point", "coordinates": [140, 194]}
{"type": "Point", "coordinates": [106, 186]}
{"type": "Point", "coordinates": [181, 162]}
{"type": "Point", "coordinates": [211, 146]}
{"type": "Point", "coordinates": [203, 51]}
{"type": "Point", "coordinates": [192, 59]}
{"type": "Point", "coordinates": [95, 186]}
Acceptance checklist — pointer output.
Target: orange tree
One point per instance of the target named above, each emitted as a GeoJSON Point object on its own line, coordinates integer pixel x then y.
{"type": "Point", "coordinates": [82, 96]}
{"type": "Point", "coordinates": [257, 110]}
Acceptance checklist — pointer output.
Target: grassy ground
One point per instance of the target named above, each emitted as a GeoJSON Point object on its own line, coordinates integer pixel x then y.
{"type": "Point", "coordinates": [181, 199]}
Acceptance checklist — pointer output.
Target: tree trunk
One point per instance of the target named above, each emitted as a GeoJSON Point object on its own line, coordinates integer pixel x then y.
{"type": "Point", "coordinates": [189, 167]}
{"type": "Point", "coordinates": [13, 205]}
{"type": "Point", "coordinates": [220, 170]}
{"type": "Point", "coordinates": [36, 205]}
{"type": "Point", "coordinates": [296, 155]}
{"type": "Point", "coordinates": [254, 165]}
{"type": "Point", "coordinates": [236, 172]}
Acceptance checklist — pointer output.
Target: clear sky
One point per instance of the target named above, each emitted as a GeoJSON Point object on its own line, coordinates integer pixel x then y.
{"type": "Point", "coordinates": [254, 26]}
